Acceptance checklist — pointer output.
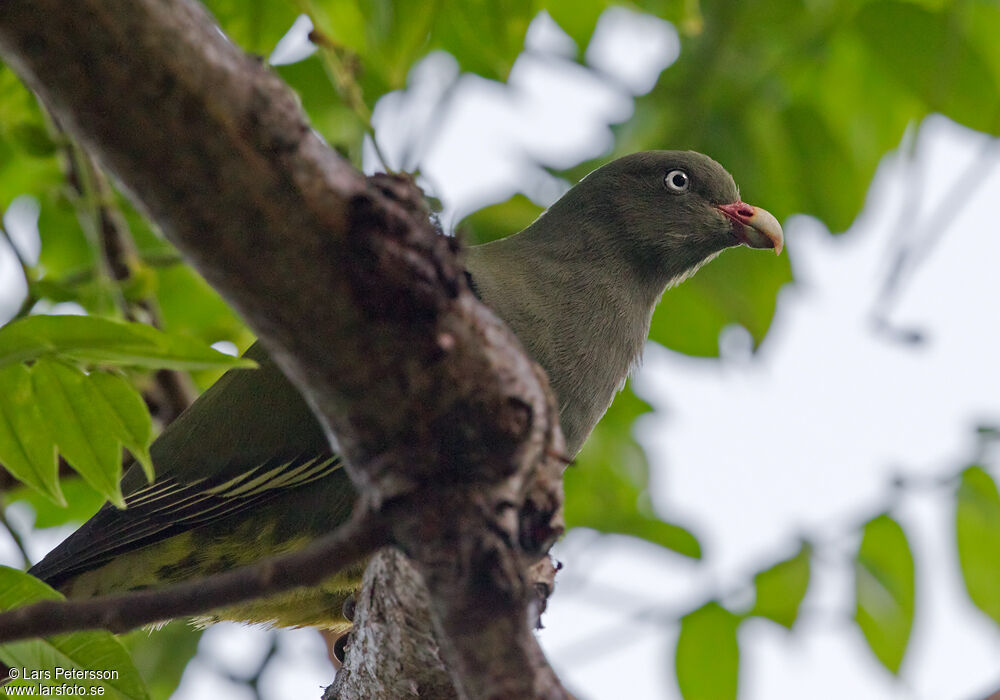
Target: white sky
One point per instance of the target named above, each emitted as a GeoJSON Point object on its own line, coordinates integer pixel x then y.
{"type": "Point", "coordinates": [804, 438]}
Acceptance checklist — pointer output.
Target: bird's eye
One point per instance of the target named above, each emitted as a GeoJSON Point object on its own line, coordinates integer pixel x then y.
{"type": "Point", "coordinates": [677, 180]}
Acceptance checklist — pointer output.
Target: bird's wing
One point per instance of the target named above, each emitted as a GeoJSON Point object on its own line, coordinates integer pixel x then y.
{"type": "Point", "coordinates": [168, 507]}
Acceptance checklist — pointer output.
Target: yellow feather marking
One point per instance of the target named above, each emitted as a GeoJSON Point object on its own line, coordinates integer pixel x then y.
{"type": "Point", "coordinates": [252, 483]}
{"type": "Point", "coordinates": [290, 475]}
{"type": "Point", "coordinates": [154, 492]}
{"type": "Point", "coordinates": [193, 498]}
{"type": "Point", "coordinates": [318, 474]}
{"type": "Point", "coordinates": [216, 490]}
{"type": "Point", "coordinates": [186, 556]}
{"type": "Point", "coordinates": [298, 476]}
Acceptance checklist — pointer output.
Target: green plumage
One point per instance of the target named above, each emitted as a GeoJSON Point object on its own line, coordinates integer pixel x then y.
{"type": "Point", "coordinates": [247, 471]}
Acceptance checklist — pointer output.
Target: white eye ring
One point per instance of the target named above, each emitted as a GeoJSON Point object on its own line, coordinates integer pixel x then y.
{"type": "Point", "coordinates": [677, 180]}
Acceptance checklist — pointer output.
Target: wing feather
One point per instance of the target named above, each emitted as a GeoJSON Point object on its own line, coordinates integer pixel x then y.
{"type": "Point", "coordinates": [164, 509]}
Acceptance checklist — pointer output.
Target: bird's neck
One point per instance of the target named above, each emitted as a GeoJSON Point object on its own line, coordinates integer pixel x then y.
{"type": "Point", "coordinates": [579, 303]}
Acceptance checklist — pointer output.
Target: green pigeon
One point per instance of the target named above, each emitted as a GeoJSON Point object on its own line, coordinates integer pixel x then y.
{"type": "Point", "coordinates": [247, 471]}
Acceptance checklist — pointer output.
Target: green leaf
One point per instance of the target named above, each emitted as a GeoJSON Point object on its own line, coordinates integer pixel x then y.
{"type": "Point", "coordinates": [578, 18]}
{"type": "Point", "coordinates": [484, 36]}
{"type": "Point", "coordinates": [982, 25]}
{"type": "Point", "coordinates": [885, 590]}
{"type": "Point", "coordinates": [189, 306]}
{"type": "Point", "coordinates": [607, 485]}
{"type": "Point", "coordinates": [27, 164]}
{"type": "Point", "coordinates": [741, 286]}
{"type": "Point", "coordinates": [98, 652]}
{"type": "Point", "coordinates": [29, 338]}
{"type": "Point", "coordinates": [327, 112]}
{"type": "Point", "coordinates": [162, 351]}
{"type": "Point", "coordinates": [33, 138]}
{"type": "Point", "coordinates": [977, 531]}
{"type": "Point", "coordinates": [930, 53]}
{"type": "Point", "coordinates": [95, 340]}
{"type": "Point", "coordinates": [24, 174]}
{"type": "Point", "coordinates": [377, 41]}
{"type": "Point", "coordinates": [59, 292]}
{"type": "Point", "coordinates": [256, 25]}
{"type": "Point", "coordinates": [192, 308]}
{"type": "Point", "coordinates": [831, 192]}
{"type": "Point", "coordinates": [128, 416]}
{"type": "Point", "coordinates": [26, 446]}
{"type": "Point", "coordinates": [17, 105]}
{"type": "Point", "coordinates": [499, 220]}
{"type": "Point", "coordinates": [708, 654]}
{"type": "Point", "coordinates": [79, 426]}
{"type": "Point", "coordinates": [65, 252]}
{"type": "Point", "coordinates": [347, 23]}
{"type": "Point", "coordinates": [82, 501]}
{"type": "Point", "coordinates": [781, 588]}
{"type": "Point", "coordinates": [382, 39]}
{"type": "Point", "coordinates": [163, 657]}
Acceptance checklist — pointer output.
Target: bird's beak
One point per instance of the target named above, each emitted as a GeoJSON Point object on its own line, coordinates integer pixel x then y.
{"type": "Point", "coordinates": [753, 226]}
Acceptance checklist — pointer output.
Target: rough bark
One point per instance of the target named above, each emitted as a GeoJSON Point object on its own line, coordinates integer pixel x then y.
{"type": "Point", "coordinates": [362, 303]}
{"type": "Point", "coordinates": [392, 651]}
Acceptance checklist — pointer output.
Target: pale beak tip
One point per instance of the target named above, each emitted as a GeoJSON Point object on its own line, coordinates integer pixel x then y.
{"type": "Point", "coordinates": [764, 230]}
{"type": "Point", "coordinates": [766, 224]}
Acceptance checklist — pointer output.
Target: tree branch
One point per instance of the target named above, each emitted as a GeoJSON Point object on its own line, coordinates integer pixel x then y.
{"type": "Point", "coordinates": [362, 303]}
{"type": "Point", "coordinates": [357, 538]}
{"type": "Point", "coordinates": [392, 633]}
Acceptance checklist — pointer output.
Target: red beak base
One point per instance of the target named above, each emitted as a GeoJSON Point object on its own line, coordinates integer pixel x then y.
{"type": "Point", "coordinates": [753, 226]}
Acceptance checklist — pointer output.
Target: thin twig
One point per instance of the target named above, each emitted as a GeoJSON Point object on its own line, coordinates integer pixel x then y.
{"type": "Point", "coordinates": [27, 304]}
{"type": "Point", "coordinates": [342, 78]}
{"type": "Point", "coordinates": [119, 258]}
{"type": "Point", "coordinates": [85, 275]}
{"type": "Point", "coordinates": [82, 175]}
{"type": "Point", "coordinates": [957, 197]}
{"type": "Point", "coordinates": [29, 298]}
{"type": "Point", "coordinates": [25, 267]}
{"type": "Point", "coordinates": [357, 538]}
{"type": "Point", "coordinates": [14, 535]}
{"type": "Point", "coordinates": [904, 223]}
{"type": "Point", "coordinates": [618, 634]}
{"type": "Point", "coordinates": [994, 696]}
{"type": "Point", "coordinates": [917, 241]}
{"type": "Point", "coordinates": [417, 148]}
{"type": "Point", "coordinates": [162, 260]}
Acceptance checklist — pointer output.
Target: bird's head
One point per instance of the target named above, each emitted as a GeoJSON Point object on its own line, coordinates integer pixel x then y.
{"type": "Point", "coordinates": [674, 203]}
